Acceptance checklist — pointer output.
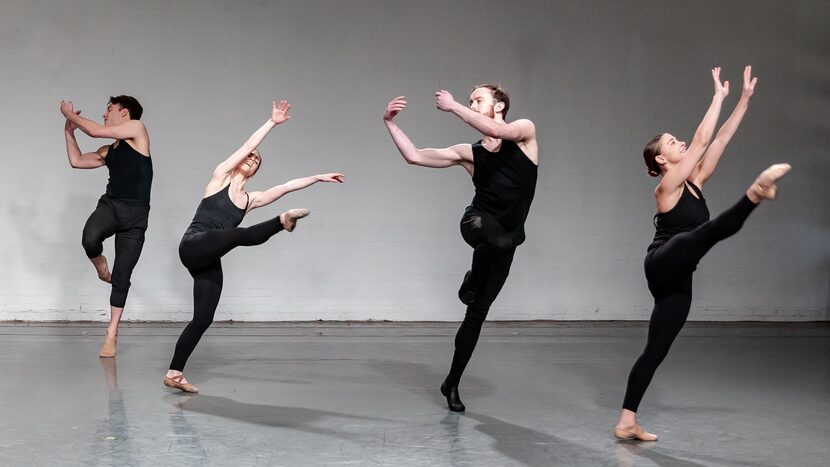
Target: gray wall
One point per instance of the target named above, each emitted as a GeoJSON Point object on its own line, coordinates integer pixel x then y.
{"type": "Point", "coordinates": [598, 78]}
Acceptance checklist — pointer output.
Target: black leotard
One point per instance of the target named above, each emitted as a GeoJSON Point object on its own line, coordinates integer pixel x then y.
{"type": "Point", "coordinates": [213, 233]}
{"type": "Point", "coordinates": [685, 216]}
{"type": "Point", "coordinates": [684, 235]}
{"type": "Point", "coordinates": [217, 211]}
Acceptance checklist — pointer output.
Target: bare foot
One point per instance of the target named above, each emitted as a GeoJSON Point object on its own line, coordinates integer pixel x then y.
{"type": "Point", "coordinates": [108, 348]}
{"type": "Point", "coordinates": [101, 267]}
{"type": "Point", "coordinates": [764, 186]}
{"type": "Point", "coordinates": [289, 218]}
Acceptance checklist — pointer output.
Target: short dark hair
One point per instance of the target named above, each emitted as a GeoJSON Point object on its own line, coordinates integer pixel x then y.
{"type": "Point", "coordinates": [130, 103]}
{"type": "Point", "coordinates": [499, 95]}
{"type": "Point", "coordinates": [650, 152]}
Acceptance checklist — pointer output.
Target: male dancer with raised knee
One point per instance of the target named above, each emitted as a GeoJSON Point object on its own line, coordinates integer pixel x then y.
{"type": "Point", "coordinates": [503, 165]}
{"type": "Point", "coordinates": [124, 208]}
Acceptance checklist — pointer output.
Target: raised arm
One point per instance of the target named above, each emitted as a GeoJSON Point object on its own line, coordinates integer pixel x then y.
{"type": "Point", "coordinates": [77, 159]}
{"type": "Point", "coordinates": [711, 157]}
{"type": "Point", "coordinates": [130, 129]}
{"type": "Point", "coordinates": [264, 198]}
{"type": "Point", "coordinates": [675, 178]}
{"type": "Point", "coordinates": [518, 131]}
{"type": "Point", "coordinates": [279, 114]}
{"type": "Point", "coordinates": [460, 154]}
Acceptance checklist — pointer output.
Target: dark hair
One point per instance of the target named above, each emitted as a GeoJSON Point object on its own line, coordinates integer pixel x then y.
{"type": "Point", "coordinates": [499, 95]}
{"type": "Point", "coordinates": [651, 151]}
{"type": "Point", "coordinates": [130, 103]}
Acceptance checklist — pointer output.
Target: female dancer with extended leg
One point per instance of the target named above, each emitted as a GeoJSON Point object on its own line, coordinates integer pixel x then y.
{"type": "Point", "coordinates": [685, 233]}
{"type": "Point", "coordinates": [214, 232]}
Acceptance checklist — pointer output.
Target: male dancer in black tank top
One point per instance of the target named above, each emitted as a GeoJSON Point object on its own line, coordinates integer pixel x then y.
{"type": "Point", "coordinates": [124, 209]}
{"type": "Point", "coordinates": [503, 165]}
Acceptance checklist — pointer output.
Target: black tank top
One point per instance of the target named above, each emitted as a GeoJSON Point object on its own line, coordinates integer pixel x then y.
{"type": "Point", "coordinates": [217, 211]}
{"type": "Point", "coordinates": [131, 173]}
{"type": "Point", "coordinates": [686, 215]}
{"type": "Point", "coordinates": [505, 182]}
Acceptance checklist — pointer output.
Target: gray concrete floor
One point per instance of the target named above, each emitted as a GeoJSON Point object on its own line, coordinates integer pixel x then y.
{"type": "Point", "coordinates": [367, 394]}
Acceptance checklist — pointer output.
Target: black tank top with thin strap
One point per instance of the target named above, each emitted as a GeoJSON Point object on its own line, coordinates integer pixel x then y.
{"type": "Point", "coordinates": [217, 211]}
{"type": "Point", "coordinates": [131, 173]}
{"type": "Point", "coordinates": [685, 216]}
{"type": "Point", "coordinates": [505, 183]}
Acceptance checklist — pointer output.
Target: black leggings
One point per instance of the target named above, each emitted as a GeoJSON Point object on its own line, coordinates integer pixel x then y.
{"type": "Point", "coordinates": [127, 220]}
{"type": "Point", "coordinates": [669, 269]}
{"type": "Point", "coordinates": [492, 257]}
{"type": "Point", "coordinates": [201, 254]}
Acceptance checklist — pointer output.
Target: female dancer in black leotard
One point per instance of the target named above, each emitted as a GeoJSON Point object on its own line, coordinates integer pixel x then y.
{"type": "Point", "coordinates": [214, 232]}
{"type": "Point", "coordinates": [685, 233]}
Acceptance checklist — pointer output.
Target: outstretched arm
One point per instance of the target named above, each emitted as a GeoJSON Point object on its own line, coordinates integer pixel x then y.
{"type": "Point", "coordinates": [460, 154]}
{"type": "Point", "coordinates": [518, 131]}
{"type": "Point", "coordinates": [264, 198]}
{"type": "Point", "coordinates": [712, 156]}
{"type": "Point", "coordinates": [279, 114]}
{"type": "Point", "coordinates": [131, 129]}
{"type": "Point", "coordinates": [673, 179]}
{"type": "Point", "coordinates": [78, 160]}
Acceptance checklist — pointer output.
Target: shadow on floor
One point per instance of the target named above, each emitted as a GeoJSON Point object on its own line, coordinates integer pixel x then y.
{"type": "Point", "coordinates": [295, 418]}
{"type": "Point", "coordinates": [425, 380]}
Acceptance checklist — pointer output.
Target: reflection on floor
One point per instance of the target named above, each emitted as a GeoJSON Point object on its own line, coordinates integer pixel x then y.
{"type": "Point", "coordinates": [367, 394]}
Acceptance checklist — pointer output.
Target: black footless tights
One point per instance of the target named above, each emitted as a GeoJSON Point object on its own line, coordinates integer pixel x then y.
{"type": "Point", "coordinates": [201, 254]}
{"type": "Point", "coordinates": [669, 269]}
{"type": "Point", "coordinates": [492, 257]}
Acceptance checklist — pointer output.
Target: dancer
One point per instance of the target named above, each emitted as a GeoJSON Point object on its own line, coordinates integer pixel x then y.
{"type": "Point", "coordinates": [124, 208]}
{"type": "Point", "coordinates": [214, 232]}
{"type": "Point", "coordinates": [503, 165]}
{"type": "Point", "coordinates": [685, 233]}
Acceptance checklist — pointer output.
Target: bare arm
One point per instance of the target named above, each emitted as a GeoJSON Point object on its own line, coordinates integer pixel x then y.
{"type": "Point", "coordinates": [460, 154]}
{"type": "Point", "coordinates": [78, 160]}
{"type": "Point", "coordinates": [131, 129]}
{"type": "Point", "coordinates": [264, 198]}
{"type": "Point", "coordinates": [711, 157]}
{"type": "Point", "coordinates": [279, 114]}
{"type": "Point", "coordinates": [518, 131]}
{"type": "Point", "coordinates": [675, 178]}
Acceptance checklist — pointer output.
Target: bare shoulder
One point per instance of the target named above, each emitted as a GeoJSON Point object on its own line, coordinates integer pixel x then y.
{"type": "Point", "coordinates": [528, 142]}
{"type": "Point", "coordinates": [666, 197]}
{"type": "Point", "coordinates": [525, 122]}
{"type": "Point", "coordinates": [215, 184]}
{"type": "Point", "coordinates": [464, 151]}
{"type": "Point", "coordinates": [141, 141]}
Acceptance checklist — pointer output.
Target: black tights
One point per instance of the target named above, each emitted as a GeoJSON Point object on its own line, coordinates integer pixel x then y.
{"type": "Point", "coordinates": [201, 254]}
{"type": "Point", "coordinates": [127, 220]}
{"type": "Point", "coordinates": [669, 269]}
{"type": "Point", "coordinates": [492, 256]}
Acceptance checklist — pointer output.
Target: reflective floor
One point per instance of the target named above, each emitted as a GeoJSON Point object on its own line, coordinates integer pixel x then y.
{"type": "Point", "coordinates": [367, 394]}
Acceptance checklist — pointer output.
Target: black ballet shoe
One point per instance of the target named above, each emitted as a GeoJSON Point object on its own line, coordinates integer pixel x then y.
{"type": "Point", "coordinates": [453, 400]}
{"type": "Point", "coordinates": [465, 294]}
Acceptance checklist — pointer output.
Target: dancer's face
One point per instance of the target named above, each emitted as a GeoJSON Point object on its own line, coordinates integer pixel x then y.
{"type": "Point", "coordinates": [672, 151]}
{"type": "Point", "coordinates": [250, 164]}
{"type": "Point", "coordinates": [481, 101]}
{"type": "Point", "coordinates": [115, 115]}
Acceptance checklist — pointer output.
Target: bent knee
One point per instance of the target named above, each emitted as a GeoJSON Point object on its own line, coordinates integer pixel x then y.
{"type": "Point", "coordinates": [92, 246]}
{"type": "Point", "coordinates": [501, 244]}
